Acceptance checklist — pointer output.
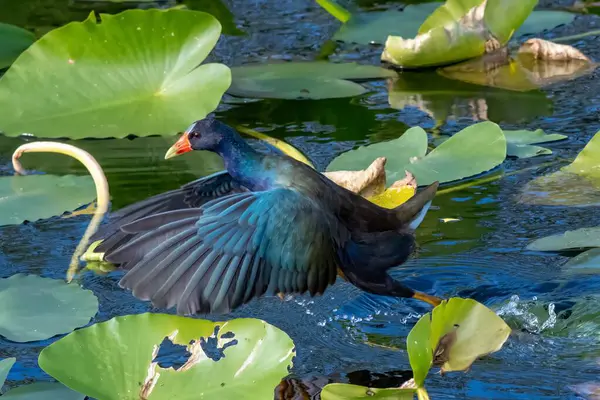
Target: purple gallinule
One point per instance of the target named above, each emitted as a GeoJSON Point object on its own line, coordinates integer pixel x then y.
{"type": "Point", "coordinates": [268, 224]}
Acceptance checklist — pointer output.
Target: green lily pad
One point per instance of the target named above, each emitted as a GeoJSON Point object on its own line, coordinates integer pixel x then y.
{"type": "Point", "coordinates": [5, 366]}
{"type": "Point", "coordinates": [39, 308]}
{"type": "Point", "coordinates": [35, 197]}
{"type": "Point", "coordinates": [476, 149]}
{"type": "Point", "coordinates": [521, 73]}
{"type": "Point", "coordinates": [520, 143]}
{"type": "Point", "coordinates": [374, 27]}
{"type": "Point", "coordinates": [43, 391]}
{"type": "Point", "coordinates": [342, 391]}
{"type": "Point", "coordinates": [458, 31]}
{"type": "Point", "coordinates": [134, 73]}
{"type": "Point", "coordinates": [303, 80]}
{"type": "Point", "coordinates": [577, 184]}
{"type": "Point", "coordinates": [256, 357]}
{"type": "Point", "coordinates": [13, 41]}
{"type": "Point", "coordinates": [459, 332]}
{"type": "Point", "coordinates": [570, 240]}
{"type": "Point", "coordinates": [587, 262]}
{"type": "Point", "coordinates": [413, 143]}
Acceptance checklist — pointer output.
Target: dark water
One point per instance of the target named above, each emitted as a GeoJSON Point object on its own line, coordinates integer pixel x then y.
{"type": "Point", "coordinates": [345, 334]}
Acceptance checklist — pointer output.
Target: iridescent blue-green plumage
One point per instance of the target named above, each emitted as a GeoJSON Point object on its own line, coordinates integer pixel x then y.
{"type": "Point", "coordinates": [268, 224]}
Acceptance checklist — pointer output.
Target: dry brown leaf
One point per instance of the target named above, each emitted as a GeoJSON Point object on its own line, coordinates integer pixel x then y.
{"type": "Point", "coordinates": [368, 182]}
{"type": "Point", "coordinates": [546, 50]}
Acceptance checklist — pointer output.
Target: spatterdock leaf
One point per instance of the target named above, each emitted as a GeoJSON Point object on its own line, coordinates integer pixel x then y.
{"type": "Point", "coordinates": [458, 30]}
{"type": "Point", "coordinates": [255, 356]}
{"type": "Point", "coordinates": [37, 308]}
{"type": "Point", "coordinates": [134, 73]}
{"type": "Point", "coordinates": [583, 238]}
{"type": "Point", "coordinates": [453, 336]}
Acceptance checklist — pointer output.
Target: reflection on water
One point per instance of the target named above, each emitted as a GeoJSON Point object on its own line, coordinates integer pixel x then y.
{"type": "Point", "coordinates": [444, 98]}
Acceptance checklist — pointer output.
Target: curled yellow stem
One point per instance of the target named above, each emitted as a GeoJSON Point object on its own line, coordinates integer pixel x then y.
{"type": "Point", "coordinates": [102, 193]}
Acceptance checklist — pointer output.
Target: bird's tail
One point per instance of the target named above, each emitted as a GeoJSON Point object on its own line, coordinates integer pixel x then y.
{"type": "Point", "coordinates": [414, 210]}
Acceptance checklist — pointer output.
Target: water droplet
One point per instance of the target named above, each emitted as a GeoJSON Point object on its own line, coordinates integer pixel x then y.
{"type": "Point", "coordinates": [138, 28]}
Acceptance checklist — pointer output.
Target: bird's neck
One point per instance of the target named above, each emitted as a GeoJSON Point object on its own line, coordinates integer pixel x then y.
{"type": "Point", "coordinates": [241, 160]}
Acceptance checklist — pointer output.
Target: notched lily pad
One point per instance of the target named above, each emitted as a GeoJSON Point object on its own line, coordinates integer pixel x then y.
{"type": "Point", "coordinates": [476, 149]}
{"type": "Point", "coordinates": [35, 197]}
{"type": "Point", "coordinates": [134, 73]}
{"type": "Point", "coordinates": [577, 184]}
{"type": "Point", "coordinates": [37, 308]}
{"type": "Point", "coordinates": [241, 358]}
{"type": "Point", "coordinates": [520, 143]}
{"type": "Point", "coordinates": [303, 80]}
{"type": "Point", "coordinates": [460, 331]}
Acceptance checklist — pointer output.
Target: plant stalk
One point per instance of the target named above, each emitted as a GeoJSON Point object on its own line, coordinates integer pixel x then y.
{"type": "Point", "coordinates": [100, 181]}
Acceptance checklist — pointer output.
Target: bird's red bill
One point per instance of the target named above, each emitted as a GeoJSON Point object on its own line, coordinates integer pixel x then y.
{"type": "Point", "coordinates": [182, 146]}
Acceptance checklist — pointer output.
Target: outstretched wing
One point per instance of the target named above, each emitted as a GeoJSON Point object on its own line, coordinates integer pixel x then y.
{"type": "Point", "coordinates": [221, 255]}
{"type": "Point", "coordinates": [190, 195]}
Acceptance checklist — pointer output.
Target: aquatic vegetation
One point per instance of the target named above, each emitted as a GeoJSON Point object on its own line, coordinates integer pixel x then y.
{"type": "Point", "coordinates": [476, 149]}
{"type": "Point", "coordinates": [240, 358]}
{"type": "Point", "coordinates": [577, 184]}
{"type": "Point", "coordinates": [583, 238]}
{"type": "Point", "coordinates": [520, 143]}
{"type": "Point", "coordinates": [452, 336]}
{"type": "Point", "coordinates": [458, 30]}
{"type": "Point", "coordinates": [587, 262]}
{"type": "Point", "coordinates": [39, 308]}
{"type": "Point", "coordinates": [303, 80]}
{"type": "Point", "coordinates": [374, 27]}
{"type": "Point", "coordinates": [35, 197]}
{"type": "Point", "coordinates": [5, 366]}
{"type": "Point", "coordinates": [13, 41]}
{"type": "Point", "coordinates": [79, 93]}
{"type": "Point", "coordinates": [37, 390]}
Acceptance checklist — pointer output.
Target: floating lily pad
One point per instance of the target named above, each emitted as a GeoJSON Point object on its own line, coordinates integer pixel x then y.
{"type": "Point", "coordinates": [43, 391]}
{"type": "Point", "coordinates": [34, 197]}
{"type": "Point", "coordinates": [413, 143]}
{"type": "Point", "coordinates": [13, 41]}
{"type": "Point", "coordinates": [342, 391]}
{"type": "Point", "coordinates": [376, 26]}
{"type": "Point", "coordinates": [520, 143]}
{"type": "Point", "coordinates": [303, 80]}
{"type": "Point", "coordinates": [476, 149]}
{"type": "Point", "coordinates": [521, 72]}
{"type": "Point", "coordinates": [583, 238]}
{"type": "Point", "coordinates": [255, 357]}
{"type": "Point", "coordinates": [577, 184]}
{"type": "Point", "coordinates": [458, 31]}
{"type": "Point", "coordinates": [134, 73]}
{"type": "Point", "coordinates": [39, 308]}
{"type": "Point", "coordinates": [587, 262]}
{"type": "Point", "coordinates": [459, 332]}
{"type": "Point", "coordinates": [5, 366]}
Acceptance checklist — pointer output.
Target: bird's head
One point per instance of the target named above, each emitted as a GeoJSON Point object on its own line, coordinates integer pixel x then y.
{"type": "Point", "coordinates": [205, 134]}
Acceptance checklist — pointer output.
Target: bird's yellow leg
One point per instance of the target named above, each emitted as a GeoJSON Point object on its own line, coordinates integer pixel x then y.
{"type": "Point", "coordinates": [434, 301]}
